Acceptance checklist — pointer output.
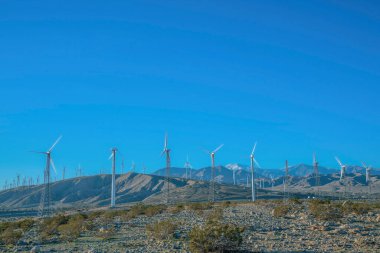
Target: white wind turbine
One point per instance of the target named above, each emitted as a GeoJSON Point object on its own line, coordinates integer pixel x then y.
{"type": "Point", "coordinates": [113, 188]}
{"type": "Point", "coordinates": [166, 151]}
{"type": "Point", "coordinates": [188, 168]}
{"type": "Point", "coordinates": [367, 172]}
{"type": "Point", "coordinates": [212, 181]}
{"type": "Point", "coordinates": [253, 162]}
{"type": "Point", "coordinates": [45, 196]}
{"type": "Point", "coordinates": [342, 168]}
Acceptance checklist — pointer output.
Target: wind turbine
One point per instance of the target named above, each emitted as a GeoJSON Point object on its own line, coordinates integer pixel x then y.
{"type": "Point", "coordinates": [113, 188]}
{"type": "Point", "coordinates": [45, 196]}
{"type": "Point", "coordinates": [253, 161]}
{"type": "Point", "coordinates": [166, 151]}
{"type": "Point", "coordinates": [367, 172]}
{"type": "Point", "coordinates": [212, 183]}
{"type": "Point", "coordinates": [133, 167]}
{"type": "Point", "coordinates": [342, 168]}
{"type": "Point", "coordinates": [188, 167]}
{"type": "Point", "coordinates": [316, 171]}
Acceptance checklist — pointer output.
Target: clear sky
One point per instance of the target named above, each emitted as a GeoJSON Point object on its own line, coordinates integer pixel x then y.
{"type": "Point", "coordinates": [296, 76]}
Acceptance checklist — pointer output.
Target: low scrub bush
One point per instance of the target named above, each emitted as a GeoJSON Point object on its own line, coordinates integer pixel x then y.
{"type": "Point", "coordinates": [148, 210]}
{"type": "Point", "coordinates": [200, 206]}
{"type": "Point", "coordinates": [356, 208]}
{"type": "Point", "coordinates": [215, 215]}
{"type": "Point", "coordinates": [11, 232]}
{"type": "Point", "coordinates": [11, 235]}
{"type": "Point", "coordinates": [162, 230]}
{"type": "Point", "coordinates": [215, 237]}
{"type": "Point", "coordinates": [281, 210]}
{"type": "Point", "coordinates": [324, 210]}
{"type": "Point", "coordinates": [73, 228]}
{"type": "Point", "coordinates": [50, 226]}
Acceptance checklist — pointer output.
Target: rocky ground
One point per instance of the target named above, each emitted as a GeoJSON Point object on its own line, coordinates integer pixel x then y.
{"type": "Point", "coordinates": [296, 230]}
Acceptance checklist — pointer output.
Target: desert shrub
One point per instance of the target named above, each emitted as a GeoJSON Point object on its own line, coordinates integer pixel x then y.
{"type": "Point", "coordinates": [50, 226]}
{"type": "Point", "coordinates": [96, 214]}
{"type": "Point", "coordinates": [356, 208]}
{"type": "Point", "coordinates": [11, 235]}
{"type": "Point", "coordinates": [106, 233]}
{"type": "Point", "coordinates": [110, 215]}
{"type": "Point", "coordinates": [215, 237]}
{"type": "Point", "coordinates": [162, 230]}
{"type": "Point", "coordinates": [226, 203]}
{"type": "Point", "coordinates": [25, 224]}
{"type": "Point", "coordinates": [324, 210]}
{"type": "Point", "coordinates": [215, 215]}
{"type": "Point", "coordinates": [148, 210]}
{"type": "Point", "coordinates": [281, 210]}
{"type": "Point", "coordinates": [200, 206]}
{"type": "Point", "coordinates": [177, 208]}
{"type": "Point", "coordinates": [295, 201]}
{"type": "Point", "coordinates": [73, 228]}
{"type": "Point", "coordinates": [154, 210]}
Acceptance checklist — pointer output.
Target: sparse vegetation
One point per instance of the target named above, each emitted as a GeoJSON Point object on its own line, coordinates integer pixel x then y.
{"type": "Point", "coordinates": [11, 232]}
{"type": "Point", "coordinates": [200, 206]}
{"type": "Point", "coordinates": [281, 210]}
{"type": "Point", "coordinates": [148, 210]}
{"type": "Point", "coordinates": [73, 228]}
{"type": "Point", "coordinates": [324, 210]}
{"type": "Point", "coordinates": [215, 237]}
{"type": "Point", "coordinates": [162, 230]}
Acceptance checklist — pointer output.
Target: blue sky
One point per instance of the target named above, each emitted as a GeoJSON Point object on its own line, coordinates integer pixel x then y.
{"type": "Point", "coordinates": [296, 76]}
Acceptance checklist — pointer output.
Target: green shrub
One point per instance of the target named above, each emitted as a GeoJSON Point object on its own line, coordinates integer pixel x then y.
{"type": "Point", "coordinates": [178, 208]}
{"type": "Point", "coordinates": [281, 211]}
{"type": "Point", "coordinates": [215, 215]}
{"type": "Point", "coordinates": [324, 210]}
{"type": "Point", "coordinates": [73, 228]}
{"type": "Point", "coordinates": [162, 230]}
{"type": "Point", "coordinates": [50, 226]}
{"type": "Point", "coordinates": [295, 201]}
{"type": "Point", "coordinates": [11, 235]}
{"type": "Point", "coordinates": [148, 210]}
{"type": "Point", "coordinates": [154, 210]}
{"type": "Point", "coordinates": [200, 206]}
{"type": "Point", "coordinates": [215, 237]}
{"type": "Point", "coordinates": [106, 234]}
{"type": "Point", "coordinates": [356, 208]}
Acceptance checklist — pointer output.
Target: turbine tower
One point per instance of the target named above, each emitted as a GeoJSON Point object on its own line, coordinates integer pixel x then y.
{"type": "Point", "coordinates": [212, 181]}
{"type": "Point", "coordinates": [188, 168]}
{"type": "Point", "coordinates": [133, 166]}
{"type": "Point", "coordinates": [253, 161]}
{"type": "Point", "coordinates": [44, 208]}
{"type": "Point", "coordinates": [113, 188]}
{"type": "Point", "coordinates": [342, 168]}
{"type": "Point", "coordinates": [367, 173]}
{"type": "Point", "coordinates": [166, 151]}
{"type": "Point", "coordinates": [316, 172]}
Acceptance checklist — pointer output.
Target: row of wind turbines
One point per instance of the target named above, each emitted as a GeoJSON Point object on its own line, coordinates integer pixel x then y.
{"type": "Point", "coordinates": [45, 202]}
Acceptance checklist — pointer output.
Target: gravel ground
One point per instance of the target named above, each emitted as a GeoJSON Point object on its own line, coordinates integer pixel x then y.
{"type": "Point", "coordinates": [295, 232]}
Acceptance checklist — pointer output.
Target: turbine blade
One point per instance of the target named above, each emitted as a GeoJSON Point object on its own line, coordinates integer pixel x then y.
{"type": "Point", "coordinates": [111, 156]}
{"type": "Point", "coordinates": [254, 148]}
{"type": "Point", "coordinates": [314, 159]}
{"type": "Point", "coordinates": [38, 152]}
{"type": "Point", "coordinates": [339, 162]}
{"type": "Point", "coordinates": [258, 165]}
{"type": "Point", "coordinates": [166, 142]}
{"type": "Point", "coordinates": [55, 143]}
{"type": "Point", "coordinates": [205, 151]}
{"type": "Point", "coordinates": [364, 165]}
{"type": "Point", "coordinates": [53, 166]}
{"type": "Point", "coordinates": [217, 149]}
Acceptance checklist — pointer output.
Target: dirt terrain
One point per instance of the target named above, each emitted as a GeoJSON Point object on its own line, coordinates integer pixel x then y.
{"type": "Point", "coordinates": [266, 226]}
